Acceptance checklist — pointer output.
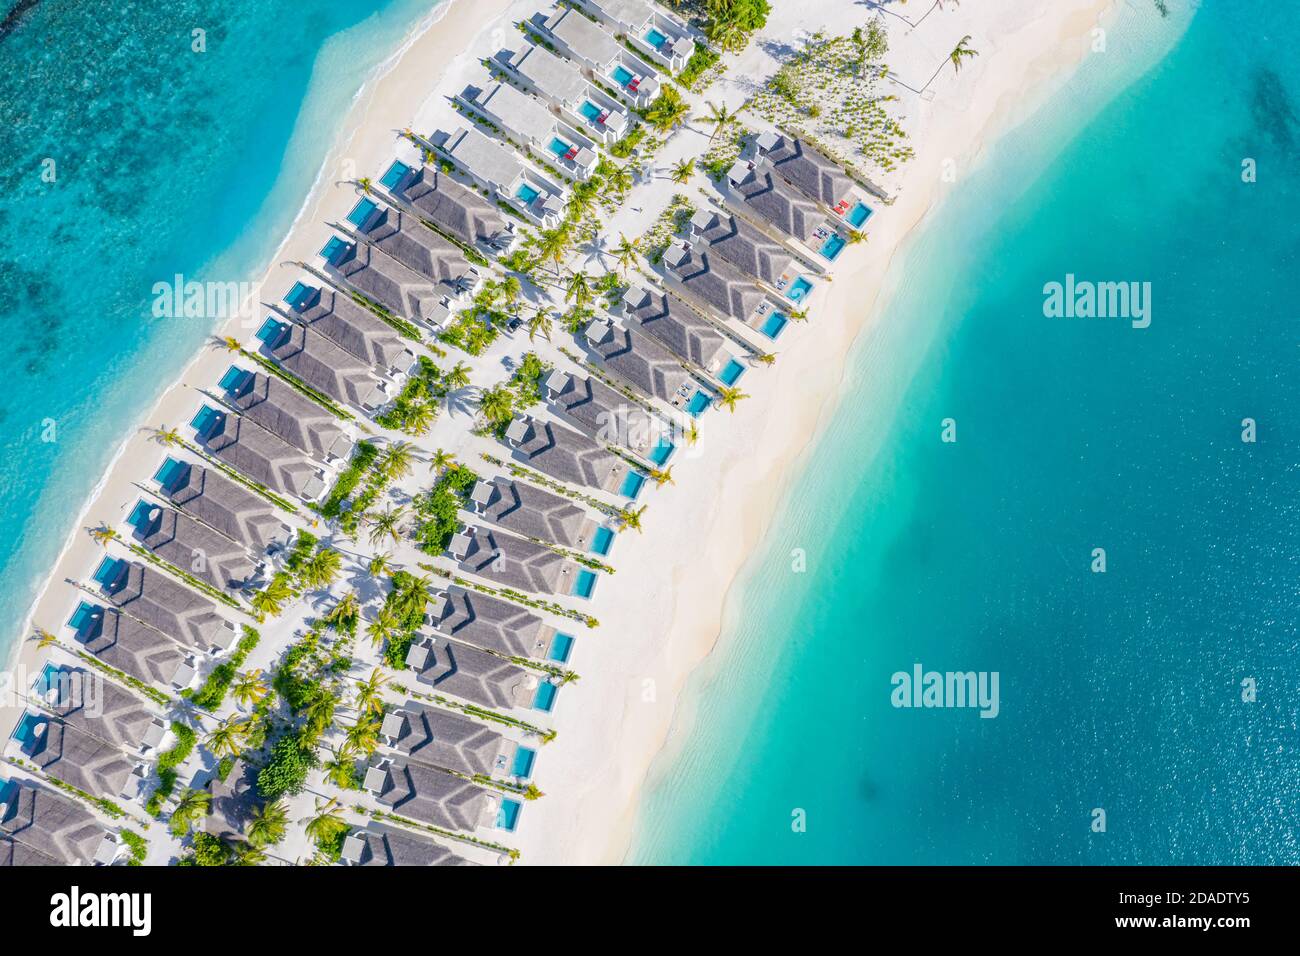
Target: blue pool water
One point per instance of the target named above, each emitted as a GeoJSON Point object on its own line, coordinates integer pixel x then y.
{"type": "Point", "coordinates": [584, 584]}
{"type": "Point", "coordinates": [601, 541]}
{"type": "Point", "coordinates": [590, 110]}
{"type": "Point", "coordinates": [799, 288]}
{"type": "Point", "coordinates": [526, 193]}
{"type": "Point", "coordinates": [142, 516]}
{"type": "Point", "coordinates": [523, 763]}
{"type": "Point", "coordinates": [115, 96]}
{"type": "Point", "coordinates": [335, 250]}
{"type": "Point", "coordinates": [858, 215]}
{"type": "Point", "coordinates": [272, 332]}
{"type": "Point", "coordinates": [632, 484]}
{"type": "Point", "coordinates": [833, 246]}
{"type": "Point", "coordinates": [773, 325]}
{"type": "Point", "coordinates": [205, 420]}
{"type": "Point", "coordinates": [361, 212]}
{"type": "Point", "coordinates": [25, 730]}
{"type": "Point", "coordinates": [299, 296]}
{"type": "Point", "coordinates": [655, 38]}
{"type": "Point", "coordinates": [731, 373]}
{"type": "Point", "coordinates": [545, 699]}
{"type": "Point", "coordinates": [394, 175]}
{"type": "Point", "coordinates": [109, 573]}
{"type": "Point", "coordinates": [561, 648]}
{"type": "Point", "coordinates": [622, 75]}
{"type": "Point", "coordinates": [170, 473]}
{"type": "Point", "coordinates": [1119, 691]}
{"type": "Point", "coordinates": [85, 617]}
{"type": "Point", "coordinates": [662, 451]}
{"type": "Point", "coordinates": [558, 146]}
{"type": "Point", "coordinates": [508, 815]}
{"type": "Point", "coordinates": [235, 380]}
{"type": "Point", "coordinates": [698, 403]}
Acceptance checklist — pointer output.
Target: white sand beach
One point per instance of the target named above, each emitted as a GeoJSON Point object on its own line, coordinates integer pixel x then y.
{"type": "Point", "coordinates": [661, 614]}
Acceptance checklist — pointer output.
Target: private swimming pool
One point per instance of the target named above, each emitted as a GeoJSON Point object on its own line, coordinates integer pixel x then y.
{"type": "Point", "coordinates": [394, 175]}
{"type": "Point", "coordinates": [361, 212]}
{"type": "Point", "coordinates": [584, 584]}
{"type": "Point", "coordinates": [171, 473]}
{"type": "Point", "coordinates": [110, 573]}
{"type": "Point", "coordinates": [334, 250]}
{"type": "Point", "coordinates": [523, 764]}
{"type": "Point", "coordinates": [773, 325]}
{"type": "Point", "coordinates": [858, 215]}
{"type": "Point", "coordinates": [622, 75]}
{"type": "Point", "coordinates": [26, 728]}
{"type": "Point", "coordinates": [545, 699]}
{"type": "Point", "coordinates": [601, 541]}
{"type": "Point", "coordinates": [632, 484]}
{"type": "Point", "coordinates": [272, 332]}
{"type": "Point", "coordinates": [558, 147]}
{"type": "Point", "coordinates": [508, 815]}
{"type": "Point", "coordinates": [698, 403]}
{"type": "Point", "coordinates": [205, 420]}
{"type": "Point", "coordinates": [236, 380]}
{"type": "Point", "coordinates": [144, 516]}
{"type": "Point", "coordinates": [833, 246]}
{"type": "Point", "coordinates": [731, 373]}
{"type": "Point", "coordinates": [591, 111]}
{"type": "Point", "coordinates": [300, 296]}
{"type": "Point", "coordinates": [84, 617]}
{"type": "Point", "coordinates": [655, 38]}
{"type": "Point", "coordinates": [561, 648]}
{"type": "Point", "coordinates": [798, 290]}
{"type": "Point", "coordinates": [662, 451]}
{"type": "Point", "coordinates": [526, 193]}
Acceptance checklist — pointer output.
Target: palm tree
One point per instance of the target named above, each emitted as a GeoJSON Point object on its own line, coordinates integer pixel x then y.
{"type": "Point", "coordinates": [580, 203]}
{"type": "Point", "coordinates": [797, 315]}
{"type": "Point", "coordinates": [663, 477]}
{"type": "Point", "coordinates": [728, 396]}
{"type": "Point", "coordinates": [578, 289]}
{"type": "Point", "coordinates": [497, 404]}
{"type": "Point", "coordinates": [192, 805]}
{"type": "Point", "coordinates": [681, 171]}
{"type": "Point", "coordinates": [397, 459]}
{"type": "Point", "coordinates": [320, 714]}
{"type": "Point", "coordinates": [692, 432]}
{"type": "Point", "coordinates": [540, 322]}
{"type": "Point", "coordinates": [341, 770]}
{"type": "Point", "coordinates": [230, 343]}
{"type": "Point", "coordinates": [320, 570]}
{"type": "Point", "coordinates": [365, 184]}
{"type": "Point", "coordinates": [630, 517]}
{"type": "Point", "coordinates": [961, 51]}
{"type": "Point", "coordinates": [167, 436]}
{"type": "Point", "coordinates": [441, 460]}
{"type": "Point", "coordinates": [364, 735]}
{"type": "Point", "coordinates": [456, 377]}
{"type": "Point", "coordinates": [369, 702]}
{"type": "Point", "coordinates": [386, 524]}
{"type": "Point", "coordinates": [510, 291]}
{"type": "Point", "coordinates": [767, 358]}
{"type": "Point", "coordinates": [727, 34]}
{"type": "Point", "coordinates": [249, 689]}
{"type": "Point", "coordinates": [379, 565]}
{"type": "Point", "coordinates": [45, 638]}
{"type": "Point", "coordinates": [720, 117]}
{"type": "Point", "coordinates": [625, 252]}
{"type": "Point", "coordinates": [856, 236]}
{"type": "Point", "coordinates": [103, 534]}
{"type": "Point", "coordinates": [382, 627]}
{"type": "Point", "coordinates": [553, 244]}
{"type": "Point", "coordinates": [270, 600]}
{"type": "Point", "coordinates": [268, 824]}
{"type": "Point", "coordinates": [327, 823]}
{"type": "Point", "coordinates": [229, 738]}
{"type": "Point", "coordinates": [344, 615]}
{"type": "Point", "coordinates": [667, 112]}
{"type": "Point", "coordinates": [619, 179]}
{"type": "Point", "coordinates": [419, 418]}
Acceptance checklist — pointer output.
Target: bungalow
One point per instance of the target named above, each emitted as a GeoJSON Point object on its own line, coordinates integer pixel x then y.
{"type": "Point", "coordinates": [220, 503]}
{"type": "Point", "coordinates": [350, 326]}
{"type": "Point", "coordinates": [755, 190]}
{"type": "Point", "coordinates": [649, 28]}
{"type": "Point", "coordinates": [39, 827]}
{"type": "Point", "coordinates": [286, 413]}
{"type": "Point", "coordinates": [430, 796]}
{"type": "Point", "coordinates": [637, 359]}
{"type": "Point", "coordinates": [255, 452]}
{"type": "Point", "coordinates": [741, 244]}
{"type": "Point", "coordinates": [514, 562]}
{"type": "Point", "coordinates": [322, 364]}
{"type": "Point", "coordinates": [473, 675]}
{"type": "Point", "coordinates": [442, 738]}
{"type": "Point", "coordinates": [497, 169]}
{"type": "Point", "coordinates": [530, 125]}
{"type": "Point", "coordinates": [86, 701]}
{"type": "Point", "coordinates": [378, 845]}
{"type": "Point", "coordinates": [606, 60]}
{"type": "Point", "coordinates": [450, 206]}
{"type": "Point", "coordinates": [566, 455]}
{"type": "Point", "coordinates": [136, 649]}
{"type": "Point", "coordinates": [410, 242]}
{"type": "Point", "coordinates": [532, 512]}
{"type": "Point", "coordinates": [191, 546]}
{"type": "Point", "coordinates": [561, 82]}
{"type": "Point", "coordinates": [711, 281]}
{"type": "Point", "coordinates": [76, 757]}
{"type": "Point", "coordinates": [164, 605]}
{"type": "Point", "coordinates": [803, 167]}
{"type": "Point", "coordinates": [389, 284]}
{"type": "Point", "coordinates": [491, 624]}
{"type": "Point", "coordinates": [689, 335]}
{"type": "Point", "coordinates": [607, 414]}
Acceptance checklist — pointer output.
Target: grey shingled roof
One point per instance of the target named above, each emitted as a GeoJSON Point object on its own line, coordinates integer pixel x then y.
{"type": "Point", "coordinates": [768, 196]}
{"type": "Point", "coordinates": [229, 507]}
{"type": "Point", "coordinates": [148, 596]}
{"type": "Point", "coordinates": [416, 246]}
{"type": "Point", "coordinates": [326, 367]}
{"type": "Point", "coordinates": [77, 758]}
{"type": "Point", "coordinates": [536, 513]}
{"type": "Point", "coordinates": [637, 358]}
{"type": "Point", "coordinates": [353, 328]}
{"type": "Point", "coordinates": [815, 175]}
{"type": "Point", "coordinates": [45, 826]}
{"type": "Point", "coordinates": [713, 280]}
{"type": "Point", "coordinates": [380, 277]}
{"type": "Point", "coordinates": [515, 562]}
{"type": "Point", "coordinates": [683, 330]}
{"type": "Point", "coordinates": [494, 624]}
{"type": "Point", "coordinates": [450, 667]}
{"type": "Point", "coordinates": [452, 206]}
{"type": "Point", "coordinates": [233, 800]}
{"type": "Point", "coordinates": [87, 701]}
{"type": "Point", "coordinates": [748, 248]}
{"type": "Point", "coordinates": [193, 547]}
{"type": "Point", "coordinates": [607, 414]}
{"type": "Point", "coordinates": [122, 642]}
{"type": "Point", "coordinates": [288, 414]}
{"type": "Point", "coordinates": [378, 845]}
{"type": "Point", "coordinates": [566, 455]}
{"type": "Point", "coordinates": [431, 796]}
{"type": "Point", "coordinates": [255, 452]}
{"type": "Point", "coordinates": [440, 738]}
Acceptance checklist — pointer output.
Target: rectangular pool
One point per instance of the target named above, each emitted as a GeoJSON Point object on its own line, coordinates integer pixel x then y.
{"type": "Point", "coordinates": [171, 473]}
{"type": "Point", "coordinates": [632, 484]}
{"type": "Point", "coordinates": [833, 246]}
{"type": "Point", "coordinates": [361, 212]}
{"type": "Point", "coordinates": [561, 648]}
{"type": "Point", "coordinates": [622, 75]}
{"type": "Point", "coordinates": [601, 541]}
{"type": "Point", "coordinates": [798, 290]}
{"type": "Point", "coordinates": [773, 325]}
{"type": "Point", "coordinates": [545, 699]}
{"type": "Point", "coordinates": [591, 111]}
{"type": "Point", "coordinates": [523, 765]}
{"type": "Point", "coordinates": [585, 584]}
{"type": "Point", "coordinates": [205, 420]}
{"type": "Point", "coordinates": [731, 373]}
{"type": "Point", "coordinates": [698, 403]}
{"type": "Point", "coordinates": [558, 147]}
{"type": "Point", "coordinates": [394, 175]}
{"type": "Point", "coordinates": [272, 332]}
{"type": "Point", "coordinates": [508, 815]}
{"type": "Point", "coordinates": [300, 296]}
{"type": "Point", "coordinates": [858, 215]}
{"type": "Point", "coordinates": [526, 193]}
{"type": "Point", "coordinates": [655, 38]}
{"type": "Point", "coordinates": [84, 617]}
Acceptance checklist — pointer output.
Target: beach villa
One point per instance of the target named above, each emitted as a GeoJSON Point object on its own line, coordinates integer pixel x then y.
{"type": "Point", "coordinates": [41, 827]}
{"type": "Point", "coordinates": [320, 363]}
{"type": "Point", "coordinates": [104, 710]}
{"type": "Point", "coordinates": [257, 454]}
{"type": "Point", "coordinates": [378, 845]}
{"type": "Point", "coordinates": [393, 286]}
{"type": "Point", "coordinates": [813, 174]}
{"type": "Point", "coordinates": [190, 545]}
{"type": "Point", "coordinates": [606, 414]}
{"type": "Point", "coordinates": [286, 413]}
{"type": "Point", "coordinates": [639, 360]}
{"type": "Point", "coordinates": [223, 504]}
{"type": "Point", "coordinates": [163, 604]}
{"type": "Point", "coordinates": [562, 83]}
{"type": "Point", "coordinates": [566, 455]}
{"type": "Point", "coordinates": [490, 623]}
{"type": "Point", "coordinates": [530, 125]}
{"type": "Point", "coordinates": [452, 207]}
{"type": "Point", "coordinates": [515, 562]}
{"type": "Point", "coordinates": [406, 240]}
{"type": "Point", "coordinates": [76, 757]}
{"type": "Point", "coordinates": [350, 326]}
{"type": "Point", "coordinates": [532, 512]}
{"type": "Point", "coordinates": [711, 281]}
{"type": "Point", "coordinates": [473, 675]}
{"type": "Point", "coordinates": [130, 646]}
{"type": "Point", "coordinates": [674, 324]}
{"type": "Point", "coordinates": [754, 190]}
{"type": "Point", "coordinates": [420, 793]}
{"type": "Point", "coordinates": [648, 27]}
{"type": "Point", "coordinates": [606, 60]}
{"type": "Point", "coordinates": [746, 247]}
{"type": "Point", "coordinates": [493, 166]}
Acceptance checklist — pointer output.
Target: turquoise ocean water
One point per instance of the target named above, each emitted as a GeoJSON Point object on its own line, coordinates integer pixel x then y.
{"type": "Point", "coordinates": [1119, 691]}
{"type": "Point", "coordinates": [165, 161]}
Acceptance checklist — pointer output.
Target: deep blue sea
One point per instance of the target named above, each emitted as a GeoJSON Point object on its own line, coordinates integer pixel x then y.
{"type": "Point", "coordinates": [127, 157]}
{"type": "Point", "coordinates": [1119, 691]}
